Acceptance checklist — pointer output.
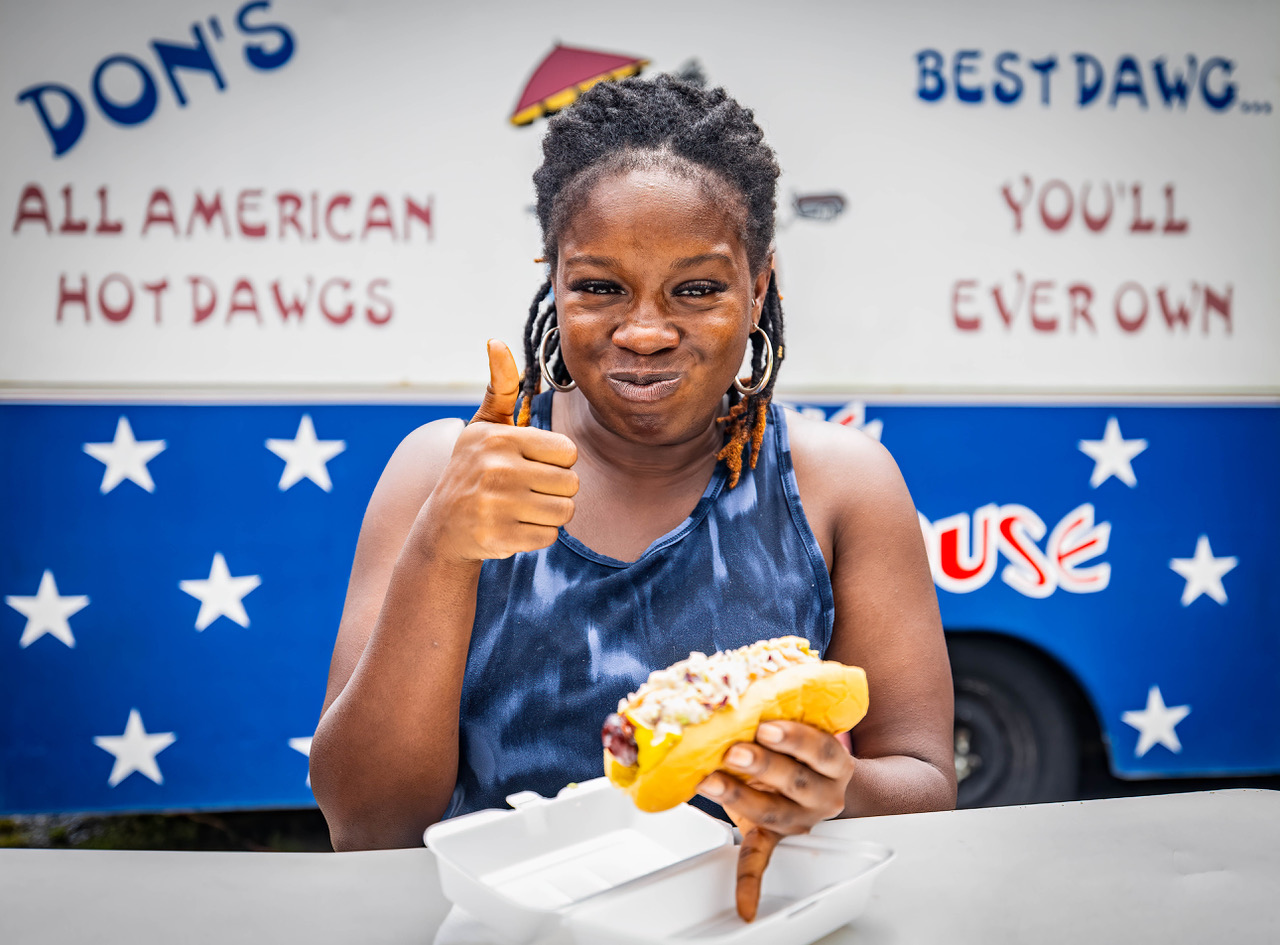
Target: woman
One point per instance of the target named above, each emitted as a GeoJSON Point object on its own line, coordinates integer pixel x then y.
{"type": "Point", "coordinates": [516, 576]}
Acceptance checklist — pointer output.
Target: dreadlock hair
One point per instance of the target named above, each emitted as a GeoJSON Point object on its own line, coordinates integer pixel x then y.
{"type": "Point", "coordinates": [695, 133]}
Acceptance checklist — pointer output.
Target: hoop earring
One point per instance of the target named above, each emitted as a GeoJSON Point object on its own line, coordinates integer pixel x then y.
{"type": "Point", "coordinates": [768, 367]}
{"type": "Point", "coordinates": [546, 372]}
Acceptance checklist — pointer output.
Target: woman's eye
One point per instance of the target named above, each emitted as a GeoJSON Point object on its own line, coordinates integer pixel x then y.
{"type": "Point", "coordinates": [699, 290]}
{"type": "Point", "coordinates": [593, 287]}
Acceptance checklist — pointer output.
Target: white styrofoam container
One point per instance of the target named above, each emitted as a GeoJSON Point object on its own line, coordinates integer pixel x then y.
{"type": "Point", "coordinates": [588, 867]}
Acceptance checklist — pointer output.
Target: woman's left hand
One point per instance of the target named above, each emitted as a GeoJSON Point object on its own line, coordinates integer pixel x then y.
{"type": "Point", "coordinates": [790, 778]}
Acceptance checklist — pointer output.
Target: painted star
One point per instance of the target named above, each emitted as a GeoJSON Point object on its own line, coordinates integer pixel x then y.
{"type": "Point", "coordinates": [1112, 455]}
{"type": "Point", "coordinates": [303, 745]}
{"type": "Point", "coordinates": [135, 750]}
{"type": "Point", "coordinates": [1155, 723]}
{"type": "Point", "coordinates": [125, 458]}
{"type": "Point", "coordinates": [220, 594]}
{"type": "Point", "coordinates": [47, 612]}
{"type": "Point", "coordinates": [1203, 573]}
{"type": "Point", "coordinates": [305, 457]}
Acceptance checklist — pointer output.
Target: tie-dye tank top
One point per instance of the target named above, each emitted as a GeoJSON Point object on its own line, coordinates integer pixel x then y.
{"type": "Point", "coordinates": [563, 633]}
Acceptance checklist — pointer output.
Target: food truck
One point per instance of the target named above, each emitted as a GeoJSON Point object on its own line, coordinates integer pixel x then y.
{"type": "Point", "coordinates": [251, 245]}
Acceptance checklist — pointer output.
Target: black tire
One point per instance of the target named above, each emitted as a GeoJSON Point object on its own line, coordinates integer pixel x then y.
{"type": "Point", "coordinates": [1016, 737]}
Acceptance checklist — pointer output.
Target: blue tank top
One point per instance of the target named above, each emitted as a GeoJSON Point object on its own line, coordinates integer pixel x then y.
{"type": "Point", "coordinates": [563, 633]}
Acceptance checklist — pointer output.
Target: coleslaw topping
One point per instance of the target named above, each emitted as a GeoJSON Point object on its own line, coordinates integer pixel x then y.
{"type": "Point", "coordinates": [689, 691]}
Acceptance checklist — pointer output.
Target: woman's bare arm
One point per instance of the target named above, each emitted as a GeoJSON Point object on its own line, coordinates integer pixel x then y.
{"type": "Point", "coordinates": [887, 620]}
{"type": "Point", "coordinates": [385, 755]}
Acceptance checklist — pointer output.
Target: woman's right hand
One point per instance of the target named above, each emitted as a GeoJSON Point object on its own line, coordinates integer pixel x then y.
{"type": "Point", "coordinates": [506, 488]}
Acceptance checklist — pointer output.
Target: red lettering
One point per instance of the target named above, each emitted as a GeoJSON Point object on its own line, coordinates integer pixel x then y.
{"type": "Point", "coordinates": [315, 216]}
{"type": "Point", "coordinates": [380, 220]}
{"type": "Point", "coordinates": [32, 206]}
{"type": "Point", "coordinates": [159, 210]}
{"type": "Point", "coordinates": [345, 314]}
{"type": "Point", "coordinates": [1126, 322]}
{"type": "Point", "coordinates": [157, 289]}
{"type": "Point", "coordinates": [949, 548]}
{"type": "Point", "coordinates": [206, 211]}
{"type": "Point", "coordinates": [1213, 302]}
{"type": "Point", "coordinates": [115, 314]}
{"type": "Point", "coordinates": [200, 310]}
{"type": "Point", "coordinates": [1139, 225]}
{"type": "Point", "coordinates": [243, 299]}
{"type": "Point", "coordinates": [1055, 223]}
{"type": "Point", "coordinates": [1080, 296]}
{"type": "Point", "coordinates": [382, 315]}
{"type": "Point", "coordinates": [65, 296]}
{"type": "Point", "coordinates": [1180, 314]}
{"type": "Point", "coordinates": [246, 203]}
{"type": "Point", "coordinates": [419, 212]}
{"type": "Point", "coordinates": [1170, 224]}
{"type": "Point", "coordinates": [1006, 314]}
{"type": "Point", "coordinates": [1096, 224]}
{"type": "Point", "coordinates": [963, 322]}
{"type": "Point", "coordinates": [341, 200]}
{"type": "Point", "coordinates": [295, 307]}
{"type": "Point", "coordinates": [1049, 322]}
{"type": "Point", "coordinates": [1014, 204]}
{"type": "Point", "coordinates": [289, 204]}
{"type": "Point", "coordinates": [69, 225]}
{"type": "Point", "coordinates": [1013, 531]}
{"type": "Point", "coordinates": [106, 227]}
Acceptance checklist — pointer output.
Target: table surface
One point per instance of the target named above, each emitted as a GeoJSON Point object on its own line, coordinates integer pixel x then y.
{"type": "Point", "coordinates": [1165, 869]}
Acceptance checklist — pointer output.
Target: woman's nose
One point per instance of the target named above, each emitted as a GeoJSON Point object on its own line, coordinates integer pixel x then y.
{"type": "Point", "coordinates": [645, 329]}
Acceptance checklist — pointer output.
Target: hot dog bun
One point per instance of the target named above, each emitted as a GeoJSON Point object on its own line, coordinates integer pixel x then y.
{"type": "Point", "coordinates": [667, 769]}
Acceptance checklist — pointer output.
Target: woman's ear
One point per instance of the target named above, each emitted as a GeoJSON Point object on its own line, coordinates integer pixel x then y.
{"type": "Point", "coordinates": [759, 287]}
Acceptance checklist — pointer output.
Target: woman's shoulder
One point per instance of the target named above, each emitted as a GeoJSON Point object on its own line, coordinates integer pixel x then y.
{"type": "Point", "coordinates": [416, 465]}
{"type": "Point", "coordinates": [845, 477]}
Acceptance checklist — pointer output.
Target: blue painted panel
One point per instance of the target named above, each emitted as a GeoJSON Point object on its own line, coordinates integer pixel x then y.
{"type": "Point", "coordinates": [233, 697]}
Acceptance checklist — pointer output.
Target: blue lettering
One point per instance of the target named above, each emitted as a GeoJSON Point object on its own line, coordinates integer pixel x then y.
{"type": "Point", "coordinates": [1007, 94]}
{"type": "Point", "coordinates": [1045, 67]}
{"type": "Point", "coordinates": [1175, 89]}
{"type": "Point", "coordinates": [64, 135]}
{"type": "Point", "coordinates": [1089, 77]}
{"type": "Point", "coordinates": [137, 111]}
{"type": "Point", "coordinates": [962, 67]}
{"type": "Point", "coordinates": [1219, 100]}
{"type": "Point", "coordinates": [196, 58]}
{"type": "Point", "coordinates": [1120, 85]}
{"type": "Point", "coordinates": [261, 58]}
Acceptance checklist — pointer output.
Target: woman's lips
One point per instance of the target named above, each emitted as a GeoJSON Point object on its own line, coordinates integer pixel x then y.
{"type": "Point", "coordinates": [644, 388]}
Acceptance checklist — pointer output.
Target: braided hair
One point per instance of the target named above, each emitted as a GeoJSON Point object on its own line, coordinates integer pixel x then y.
{"type": "Point", "coordinates": [698, 134]}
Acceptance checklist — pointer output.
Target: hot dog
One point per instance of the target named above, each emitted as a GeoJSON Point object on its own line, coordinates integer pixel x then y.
{"type": "Point", "coordinates": [674, 730]}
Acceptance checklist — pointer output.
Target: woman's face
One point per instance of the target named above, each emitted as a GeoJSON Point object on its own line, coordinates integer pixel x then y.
{"type": "Point", "coordinates": [654, 298]}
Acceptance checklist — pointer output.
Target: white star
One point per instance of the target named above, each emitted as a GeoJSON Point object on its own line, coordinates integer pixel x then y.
{"type": "Point", "coordinates": [303, 745]}
{"type": "Point", "coordinates": [1203, 573]}
{"type": "Point", "coordinates": [125, 457]}
{"type": "Point", "coordinates": [305, 457]}
{"type": "Point", "coordinates": [220, 594]}
{"type": "Point", "coordinates": [1112, 455]}
{"type": "Point", "coordinates": [135, 750]}
{"type": "Point", "coordinates": [1155, 723]}
{"type": "Point", "coordinates": [47, 612]}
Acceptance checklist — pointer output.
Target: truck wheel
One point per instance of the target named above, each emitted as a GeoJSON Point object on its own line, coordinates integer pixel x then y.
{"type": "Point", "coordinates": [1016, 738]}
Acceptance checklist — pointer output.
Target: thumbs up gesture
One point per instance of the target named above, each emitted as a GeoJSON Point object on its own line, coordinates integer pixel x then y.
{"type": "Point", "coordinates": [506, 488]}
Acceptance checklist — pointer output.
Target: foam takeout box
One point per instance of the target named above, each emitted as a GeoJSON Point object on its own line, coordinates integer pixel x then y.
{"type": "Point", "coordinates": [587, 867]}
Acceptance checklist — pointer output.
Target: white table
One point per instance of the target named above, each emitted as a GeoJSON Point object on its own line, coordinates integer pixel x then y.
{"type": "Point", "coordinates": [1168, 869]}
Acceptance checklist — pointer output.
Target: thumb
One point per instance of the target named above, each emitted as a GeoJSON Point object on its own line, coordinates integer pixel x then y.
{"type": "Point", "coordinates": [499, 405]}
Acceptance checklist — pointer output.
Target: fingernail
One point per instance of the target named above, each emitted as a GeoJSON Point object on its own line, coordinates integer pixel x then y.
{"type": "Point", "coordinates": [739, 756]}
{"type": "Point", "coordinates": [769, 733]}
{"type": "Point", "coordinates": [711, 787]}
